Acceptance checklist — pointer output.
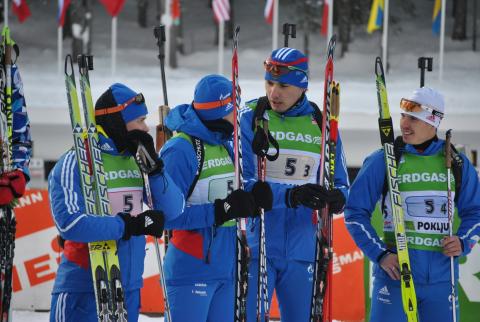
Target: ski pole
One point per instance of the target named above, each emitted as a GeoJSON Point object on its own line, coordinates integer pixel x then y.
{"type": "Point", "coordinates": [289, 29]}
{"type": "Point", "coordinates": [424, 63]}
{"type": "Point", "coordinates": [146, 165]}
{"type": "Point", "coordinates": [448, 164]}
{"type": "Point", "coordinates": [241, 245]}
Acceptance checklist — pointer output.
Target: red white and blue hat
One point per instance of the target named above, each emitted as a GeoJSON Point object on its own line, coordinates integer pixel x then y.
{"type": "Point", "coordinates": [213, 97]}
{"type": "Point", "coordinates": [288, 66]}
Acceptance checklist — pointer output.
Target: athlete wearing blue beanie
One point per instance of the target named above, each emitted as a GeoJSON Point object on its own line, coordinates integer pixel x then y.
{"type": "Point", "coordinates": [200, 263]}
{"type": "Point", "coordinates": [120, 115]}
{"type": "Point", "coordinates": [287, 66]}
{"type": "Point", "coordinates": [292, 176]}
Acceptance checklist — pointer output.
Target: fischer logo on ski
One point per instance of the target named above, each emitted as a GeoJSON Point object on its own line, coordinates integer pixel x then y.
{"type": "Point", "coordinates": [409, 299]}
{"type": "Point", "coordinates": [104, 261]}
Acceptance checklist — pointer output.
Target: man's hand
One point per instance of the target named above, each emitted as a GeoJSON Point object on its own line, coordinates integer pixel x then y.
{"type": "Point", "coordinates": [389, 263]}
{"type": "Point", "coordinates": [452, 246]}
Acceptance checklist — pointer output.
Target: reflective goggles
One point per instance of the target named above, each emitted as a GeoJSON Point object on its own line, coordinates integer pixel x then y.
{"type": "Point", "coordinates": [411, 106]}
{"type": "Point", "coordinates": [137, 99]}
{"type": "Point", "coordinates": [278, 69]}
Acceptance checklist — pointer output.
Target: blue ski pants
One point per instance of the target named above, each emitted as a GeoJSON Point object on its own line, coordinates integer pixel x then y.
{"type": "Point", "coordinates": [292, 281]}
{"type": "Point", "coordinates": [433, 302]}
{"type": "Point", "coordinates": [202, 301]}
{"type": "Point", "coordinates": [81, 307]}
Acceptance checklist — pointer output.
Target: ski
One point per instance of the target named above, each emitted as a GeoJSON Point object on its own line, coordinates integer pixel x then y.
{"type": "Point", "coordinates": [323, 254]}
{"type": "Point", "coordinates": [241, 248]}
{"type": "Point", "coordinates": [409, 299]}
{"type": "Point", "coordinates": [104, 262]}
{"type": "Point", "coordinates": [262, 283]}
{"type": "Point", "coordinates": [7, 214]}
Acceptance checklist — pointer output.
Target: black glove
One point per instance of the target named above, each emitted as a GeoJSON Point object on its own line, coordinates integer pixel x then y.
{"type": "Point", "coordinates": [309, 195]}
{"type": "Point", "coordinates": [336, 201]}
{"type": "Point", "coordinates": [262, 193]}
{"type": "Point", "coordinates": [238, 204]}
{"type": "Point", "coordinates": [149, 222]}
{"type": "Point", "coordinates": [137, 137]}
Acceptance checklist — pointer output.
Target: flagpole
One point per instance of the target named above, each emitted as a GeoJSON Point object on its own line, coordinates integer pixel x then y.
{"type": "Point", "coordinates": [330, 21]}
{"type": "Point", "coordinates": [442, 40]}
{"type": "Point", "coordinates": [59, 48]}
{"type": "Point", "coordinates": [221, 35]}
{"type": "Point", "coordinates": [114, 45]}
{"type": "Point", "coordinates": [5, 12]}
{"type": "Point", "coordinates": [275, 25]}
{"type": "Point", "coordinates": [167, 21]}
{"type": "Point", "coordinates": [385, 34]}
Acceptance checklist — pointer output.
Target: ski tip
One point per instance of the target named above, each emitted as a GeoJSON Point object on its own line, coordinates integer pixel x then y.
{"type": "Point", "coordinates": [68, 63]}
{"type": "Point", "coordinates": [448, 135]}
{"type": "Point", "coordinates": [378, 66]}
{"type": "Point", "coordinates": [331, 45]}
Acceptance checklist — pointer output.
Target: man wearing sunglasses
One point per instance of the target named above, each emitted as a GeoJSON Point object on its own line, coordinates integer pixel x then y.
{"type": "Point", "coordinates": [120, 115]}
{"type": "Point", "coordinates": [423, 187]}
{"type": "Point", "coordinates": [289, 226]}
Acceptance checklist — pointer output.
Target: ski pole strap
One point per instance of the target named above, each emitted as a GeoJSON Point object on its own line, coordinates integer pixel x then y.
{"type": "Point", "coordinates": [262, 137]}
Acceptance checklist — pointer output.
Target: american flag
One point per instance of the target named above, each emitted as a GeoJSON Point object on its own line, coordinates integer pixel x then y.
{"type": "Point", "coordinates": [221, 10]}
{"type": "Point", "coordinates": [268, 12]}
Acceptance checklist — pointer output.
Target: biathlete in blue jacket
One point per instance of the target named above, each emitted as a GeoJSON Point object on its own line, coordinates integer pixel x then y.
{"type": "Point", "coordinates": [422, 178]}
{"type": "Point", "coordinates": [290, 226]}
{"type": "Point", "coordinates": [200, 264]}
{"type": "Point", "coordinates": [120, 117]}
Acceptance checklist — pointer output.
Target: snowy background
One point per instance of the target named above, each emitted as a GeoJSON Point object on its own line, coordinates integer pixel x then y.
{"type": "Point", "coordinates": [137, 66]}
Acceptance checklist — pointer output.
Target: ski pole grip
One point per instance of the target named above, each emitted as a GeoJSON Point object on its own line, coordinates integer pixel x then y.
{"type": "Point", "coordinates": [8, 54]}
{"type": "Point", "coordinates": [448, 149]}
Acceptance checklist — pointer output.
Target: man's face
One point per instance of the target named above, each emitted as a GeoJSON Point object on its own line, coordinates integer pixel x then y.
{"type": "Point", "coordinates": [282, 96]}
{"type": "Point", "coordinates": [415, 131]}
{"type": "Point", "coordinates": [138, 124]}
